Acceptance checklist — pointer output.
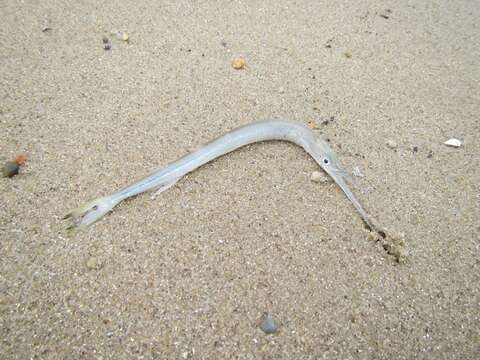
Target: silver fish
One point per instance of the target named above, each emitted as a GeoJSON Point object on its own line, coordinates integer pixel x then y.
{"type": "Point", "coordinates": [167, 176]}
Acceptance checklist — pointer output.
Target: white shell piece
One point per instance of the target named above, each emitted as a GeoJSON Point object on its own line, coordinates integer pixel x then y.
{"type": "Point", "coordinates": [453, 142]}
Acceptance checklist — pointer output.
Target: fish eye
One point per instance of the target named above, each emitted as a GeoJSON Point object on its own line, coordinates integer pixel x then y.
{"type": "Point", "coordinates": [326, 161]}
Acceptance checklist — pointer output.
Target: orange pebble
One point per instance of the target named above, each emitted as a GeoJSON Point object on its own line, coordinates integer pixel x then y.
{"type": "Point", "coordinates": [20, 159]}
{"type": "Point", "coordinates": [238, 63]}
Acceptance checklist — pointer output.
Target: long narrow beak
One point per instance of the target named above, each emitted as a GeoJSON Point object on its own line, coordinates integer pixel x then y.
{"type": "Point", "coordinates": [340, 177]}
{"type": "Point", "coordinates": [349, 180]}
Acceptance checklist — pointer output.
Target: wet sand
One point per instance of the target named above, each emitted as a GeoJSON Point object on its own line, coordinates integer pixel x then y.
{"type": "Point", "coordinates": [191, 273]}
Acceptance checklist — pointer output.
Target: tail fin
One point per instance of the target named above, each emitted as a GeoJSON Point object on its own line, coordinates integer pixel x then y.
{"type": "Point", "coordinates": [89, 213]}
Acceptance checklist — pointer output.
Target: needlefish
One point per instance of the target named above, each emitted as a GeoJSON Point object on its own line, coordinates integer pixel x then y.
{"type": "Point", "coordinates": [165, 177]}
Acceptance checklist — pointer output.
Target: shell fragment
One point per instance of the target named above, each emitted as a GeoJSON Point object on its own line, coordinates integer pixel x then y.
{"type": "Point", "coordinates": [453, 142]}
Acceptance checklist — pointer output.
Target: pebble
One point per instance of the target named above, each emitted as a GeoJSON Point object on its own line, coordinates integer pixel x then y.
{"type": "Point", "coordinates": [327, 121]}
{"type": "Point", "coordinates": [238, 63]}
{"type": "Point", "coordinates": [268, 325]}
{"type": "Point", "coordinates": [10, 169]}
{"type": "Point", "coordinates": [319, 177]}
{"type": "Point", "coordinates": [453, 142]}
{"type": "Point", "coordinates": [20, 159]}
{"type": "Point", "coordinates": [106, 43]}
{"type": "Point", "coordinates": [391, 144]}
{"type": "Point", "coordinates": [312, 124]}
{"type": "Point", "coordinates": [92, 263]}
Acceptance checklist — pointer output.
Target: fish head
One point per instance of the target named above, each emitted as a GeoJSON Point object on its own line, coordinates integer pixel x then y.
{"type": "Point", "coordinates": [332, 166]}
{"type": "Point", "coordinates": [328, 161]}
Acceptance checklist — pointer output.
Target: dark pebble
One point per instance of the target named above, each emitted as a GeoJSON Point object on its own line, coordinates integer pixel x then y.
{"type": "Point", "coordinates": [107, 47]}
{"type": "Point", "coordinates": [267, 325]}
{"type": "Point", "coordinates": [327, 121]}
{"type": "Point", "coordinates": [10, 169]}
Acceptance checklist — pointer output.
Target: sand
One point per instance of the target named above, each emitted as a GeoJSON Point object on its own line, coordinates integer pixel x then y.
{"type": "Point", "coordinates": [192, 273]}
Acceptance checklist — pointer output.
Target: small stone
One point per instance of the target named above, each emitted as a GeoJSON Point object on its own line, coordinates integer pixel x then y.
{"type": "Point", "coordinates": [238, 63]}
{"type": "Point", "coordinates": [318, 177]}
{"type": "Point", "coordinates": [92, 263]}
{"type": "Point", "coordinates": [106, 43]}
{"type": "Point", "coordinates": [348, 55]}
{"type": "Point", "coordinates": [391, 144]}
{"type": "Point", "coordinates": [453, 142]}
{"type": "Point", "coordinates": [10, 169]}
{"type": "Point", "coordinates": [268, 325]}
{"type": "Point", "coordinates": [312, 124]}
{"type": "Point", "coordinates": [327, 121]}
{"type": "Point", "coordinates": [185, 355]}
{"type": "Point", "coordinates": [20, 159]}
{"type": "Point", "coordinates": [121, 36]}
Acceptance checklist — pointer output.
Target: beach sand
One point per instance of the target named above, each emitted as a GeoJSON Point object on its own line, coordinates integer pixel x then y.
{"type": "Point", "coordinates": [191, 273]}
